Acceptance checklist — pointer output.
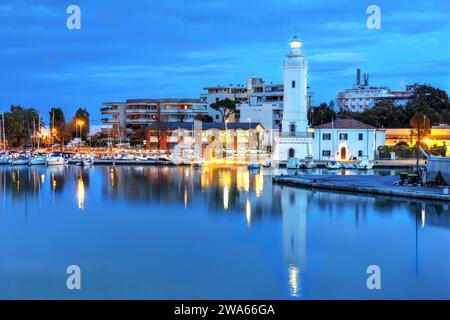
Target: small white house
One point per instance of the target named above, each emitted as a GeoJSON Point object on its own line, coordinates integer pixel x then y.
{"type": "Point", "coordinates": [347, 139]}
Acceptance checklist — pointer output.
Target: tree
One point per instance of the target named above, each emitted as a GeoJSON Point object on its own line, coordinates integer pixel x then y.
{"type": "Point", "coordinates": [225, 107]}
{"type": "Point", "coordinates": [421, 128]}
{"type": "Point", "coordinates": [432, 102]}
{"type": "Point", "coordinates": [80, 122]}
{"type": "Point", "coordinates": [323, 113]}
{"type": "Point", "coordinates": [58, 126]}
{"type": "Point", "coordinates": [21, 125]}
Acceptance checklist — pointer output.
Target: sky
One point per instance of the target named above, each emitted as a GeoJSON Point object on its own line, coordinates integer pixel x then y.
{"type": "Point", "coordinates": [159, 49]}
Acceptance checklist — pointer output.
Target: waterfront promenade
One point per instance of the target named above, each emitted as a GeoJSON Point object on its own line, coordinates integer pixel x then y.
{"type": "Point", "coordinates": [376, 185]}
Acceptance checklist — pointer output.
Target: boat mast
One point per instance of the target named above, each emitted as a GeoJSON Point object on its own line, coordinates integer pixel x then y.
{"type": "Point", "coordinates": [3, 131]}
{"type": "Point", "coordinates": [53, 127]}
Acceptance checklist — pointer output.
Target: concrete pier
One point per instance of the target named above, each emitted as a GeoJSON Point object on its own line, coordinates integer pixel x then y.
{"type": "Point", "coordinates": [375, 185]}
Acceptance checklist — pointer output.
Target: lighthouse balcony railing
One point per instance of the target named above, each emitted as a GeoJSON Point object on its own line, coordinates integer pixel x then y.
{"type": "Point", "coordinates": [295, 135]}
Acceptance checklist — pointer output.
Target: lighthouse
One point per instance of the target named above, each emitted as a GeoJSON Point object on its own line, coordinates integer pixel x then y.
{"type": "Point", "coordinates": [295, 106]}
{"type": "Point", "coordinates": [294, 140]}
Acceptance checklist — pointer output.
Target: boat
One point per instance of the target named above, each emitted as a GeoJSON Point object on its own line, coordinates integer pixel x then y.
{"type": "Point", "coordinates": [141, 157]}
{"type": "Point", "coordinates": [21, 161]}
{"type": "Point", "coordinates": [88, 162]}
{"type": "Point", "coordinates": [308, 163]}
{"type": "Point", "coordinates": [293, 163]}
{"type": "Point", "coordinates": [4, 159]}
{"type": "Point", "coordinates": [127, 156]}
{"type": "Point", "coordinates": [198, 163]}
{"type": "Point", "coordinates": [333, 165]}
{"type": "Point", "coordinates": [365, 164]}
{"type": "Point", "coordinates": [38, 160]}
{"type": "Point", "coordinates": [254, 166]}
{"type": "Point", "coordinates": [55, 159]}
{"type": "Point", "coordinates": [348, 165]}
{"type": "Point", "coordinates": [164, 158]}
{"type": "Point", "coordinates": [267, 163]}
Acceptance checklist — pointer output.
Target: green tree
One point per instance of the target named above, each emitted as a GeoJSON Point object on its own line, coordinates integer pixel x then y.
{"type": "Point", "coordinates": [225, 107]}
{"type": "Point", "coordinates": [80, 122]}
{"type": "Point", "coordinates": [58, 126]}
{"type": "Point", "coordinates": [432, 102]}
{"type": "Point", "coordinates": [323, 113]}
{"type": "Point", "coordinates": [20, 125]}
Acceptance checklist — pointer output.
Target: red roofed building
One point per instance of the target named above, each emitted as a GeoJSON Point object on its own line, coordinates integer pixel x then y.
{"type": "Point", "coordinates": [347, 139]}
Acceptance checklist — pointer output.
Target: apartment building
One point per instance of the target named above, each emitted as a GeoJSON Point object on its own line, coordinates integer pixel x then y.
{"type": "Point", "coordinates": [135, 115]}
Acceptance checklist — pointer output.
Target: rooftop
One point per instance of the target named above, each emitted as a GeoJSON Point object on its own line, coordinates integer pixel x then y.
{"type": "Point", "coordinates": [205, 126]}
{"type": "Point", "coordinates": [345, 124]}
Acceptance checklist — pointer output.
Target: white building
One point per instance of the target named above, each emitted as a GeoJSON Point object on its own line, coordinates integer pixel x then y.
{"type": "Point", "coordinates": [294, 141]}
{"type": "Point", "coordinates": [362, 96]}
{"type": "Point", "coordinates": [258, 101]}
{"type": "Point", "coordinates": [136, 114]}
{"type": "Point", "coordinates": [346, 139]}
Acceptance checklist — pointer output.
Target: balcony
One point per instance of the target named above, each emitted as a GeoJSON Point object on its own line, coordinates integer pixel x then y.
{"type": "Point", "coordinates": [140, 111]}
{"type": "Point", "coordinates": [305, 135]}
{"type": "Point", "coordinates": [110, 121]}
{"type": "Point", "coordinates": [109, 110]}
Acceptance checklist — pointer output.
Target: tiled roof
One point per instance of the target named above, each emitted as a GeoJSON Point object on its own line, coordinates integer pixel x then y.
{"type": "Point", "coordinates": [345, 124]}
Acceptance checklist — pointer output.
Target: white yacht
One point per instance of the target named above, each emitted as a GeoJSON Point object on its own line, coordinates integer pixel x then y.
{"type": "Point", "coordinates": [308, 163]}
{"type": "Point", "coordinates": [38, 160]}
{"type": "Point", "coordinates": [21, 161]}
{"type": "Point", "coordinates": [4, 159]}
{"type": "Point", "coordinates": [55, 159]}
{"type": "Point", "coordinates": [254, 166]}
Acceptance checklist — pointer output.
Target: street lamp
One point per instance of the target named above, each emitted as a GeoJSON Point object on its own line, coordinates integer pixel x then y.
{"type": "Point", "coordinates": [80, 123]}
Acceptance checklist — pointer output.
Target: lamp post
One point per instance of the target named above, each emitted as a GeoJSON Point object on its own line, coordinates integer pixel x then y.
{"type": "Point", "coordinates": [80, 123]}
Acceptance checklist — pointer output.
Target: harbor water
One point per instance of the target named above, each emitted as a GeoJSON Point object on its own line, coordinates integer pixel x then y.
{"type": "Point", "coordinates": [140, 232]}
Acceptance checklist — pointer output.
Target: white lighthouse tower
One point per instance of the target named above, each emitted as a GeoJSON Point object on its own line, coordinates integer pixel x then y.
{"type": "Point", "coordinates": [294, 141]}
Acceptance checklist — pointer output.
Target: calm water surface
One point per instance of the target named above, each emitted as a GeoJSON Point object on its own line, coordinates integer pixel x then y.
{"type": "Point", "coordinates": [216, 233]}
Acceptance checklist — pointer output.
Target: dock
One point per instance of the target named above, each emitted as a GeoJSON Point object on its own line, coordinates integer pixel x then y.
{"type": "Point", "coordinates": [373, 185]}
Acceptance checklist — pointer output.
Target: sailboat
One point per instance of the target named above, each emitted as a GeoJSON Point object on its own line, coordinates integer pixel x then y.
{"type": "Point", "coordinates": [4, 159]}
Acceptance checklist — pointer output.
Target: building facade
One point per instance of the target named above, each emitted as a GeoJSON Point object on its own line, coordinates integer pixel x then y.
{"type": "Point", "coordinates": [125, 118]}
{"type": "Point", "coordinates": [347, 139]}
{"type": "Point", "coordinates": [363, 96]}
{"type": "Point", "coordinates": [257, 101]}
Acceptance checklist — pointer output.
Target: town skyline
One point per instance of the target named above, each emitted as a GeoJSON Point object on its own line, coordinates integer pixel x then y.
{"type": "Point", "coordinates": [86, 67]}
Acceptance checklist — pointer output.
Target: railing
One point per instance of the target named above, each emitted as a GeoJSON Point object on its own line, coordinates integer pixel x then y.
{"type": "Point", "coordinates": [295, 134]}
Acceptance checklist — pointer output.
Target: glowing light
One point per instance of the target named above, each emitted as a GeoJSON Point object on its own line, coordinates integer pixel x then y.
{"type": "Point", "coordinates": [185, 198]}
{"type": "Point", "coordinates": [81, 192]}
{"type": "Point", "coordinates": [248, 212]}
{"type": "Point", "coordinates": [423, 218]}
{"type": "Point", "coordinates": [43, 178]}
{"type": "Point", "coordinates": [293, 281]}
{"type": "Point", "coordinates": [296, 44]}
{"type": "Point", "coordinates": [226, 195]}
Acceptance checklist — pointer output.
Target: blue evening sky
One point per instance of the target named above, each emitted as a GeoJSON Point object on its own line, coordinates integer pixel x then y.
{"type": "Point", "coordinates": [155, 49]}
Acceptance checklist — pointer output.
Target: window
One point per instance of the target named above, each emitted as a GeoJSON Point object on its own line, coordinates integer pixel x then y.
{"type": "Point", "coordinates": [327, 136]}
{"type": "Point", "coordinates": [360, 153]}
{"type": "Point", "coordinates": [326, 153]}
{"type": "Point", "coordinates": [293, 84]}
{"type": "Point", "coordinates": [343, 136]}
{"type": "Point", "coordinates": [217, 117]}
{"type": "Point", "coordinates": [293, 128]}
{"type": "Point", "coordinates": [360, 137]}
{"type": "Point", "coordinates": [217, 100]}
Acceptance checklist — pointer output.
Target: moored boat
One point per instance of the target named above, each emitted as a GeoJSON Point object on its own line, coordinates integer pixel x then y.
{"type": "Point", "coordinates": [293, 163]}
{"type": "Point", "coordinates": [21, 161]}
{"type": "Point", "coordinates": [55, 159]}
{"type": "Point", "coordinates": [333, 165]}
{"type": "Point", "coordinates": [308, 163]}
{"type": "Point", "coordinates": [38, 160]}
{"type": "Point", "coordinates": [365, 164]}
{"type": "Point", "coordinates": [254, 166]}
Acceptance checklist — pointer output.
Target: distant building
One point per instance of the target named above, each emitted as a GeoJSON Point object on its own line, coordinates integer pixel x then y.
{"type": "Point", "coordinates": [258, 101]}
{"type": "Point", "coordinates": [128, 117]}
{"type": "Point", "coordinates": [346, 139]}
{"type": "Point", "coordinates": [362, 96]}
{"type": "Point", "coordinates": [238, 137]}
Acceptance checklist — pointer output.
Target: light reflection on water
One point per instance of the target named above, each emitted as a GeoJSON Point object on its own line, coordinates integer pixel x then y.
{"type": "Point", "coordinates": [167, 232]}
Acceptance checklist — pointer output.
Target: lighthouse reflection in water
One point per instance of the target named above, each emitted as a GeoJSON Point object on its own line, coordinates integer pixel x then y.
{"type": "Point", "coordinates": [213, 233]}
